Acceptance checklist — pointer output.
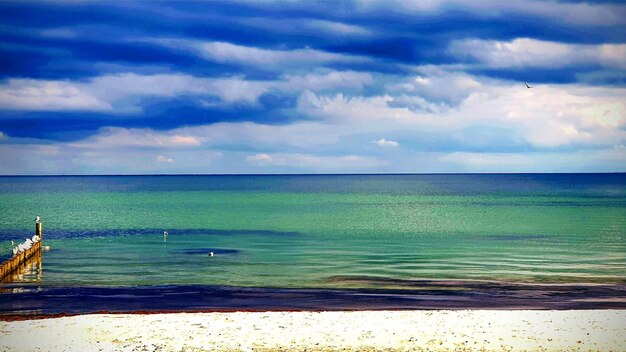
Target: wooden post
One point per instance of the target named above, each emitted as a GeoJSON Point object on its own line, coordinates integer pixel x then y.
{"type": "Point", "coordinates": [38, 226]}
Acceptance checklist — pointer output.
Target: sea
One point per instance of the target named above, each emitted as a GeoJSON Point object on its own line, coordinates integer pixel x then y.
{"type": "Point", "coordinates": [316, 242]}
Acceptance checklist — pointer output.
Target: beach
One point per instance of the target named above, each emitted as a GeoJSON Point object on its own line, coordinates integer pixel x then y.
{"type": "Point", "coordinates": [441, 330]}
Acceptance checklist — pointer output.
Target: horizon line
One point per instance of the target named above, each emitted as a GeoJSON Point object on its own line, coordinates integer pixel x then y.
{"type": "Point", "coordinates": [325, 174]}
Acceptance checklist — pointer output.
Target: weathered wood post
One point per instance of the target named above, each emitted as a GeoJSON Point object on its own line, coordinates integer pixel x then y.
{"type": "Point", "coordinates": [38, 226]}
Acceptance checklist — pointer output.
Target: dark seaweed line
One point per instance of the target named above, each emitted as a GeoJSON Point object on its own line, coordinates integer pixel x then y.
{"type": "Point", "coordinates": [41, 300]}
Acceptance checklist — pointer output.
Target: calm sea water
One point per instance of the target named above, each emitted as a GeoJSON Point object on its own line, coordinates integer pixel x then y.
{"type": "Point", "coordinates": [366, 232]}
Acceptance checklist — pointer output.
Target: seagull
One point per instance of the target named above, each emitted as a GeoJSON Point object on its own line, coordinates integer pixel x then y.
{"type": "Point", "coordinates": [37, 219]}
{"type": "Point", "coordinates": [527, 86]}
{"type": "Point", "coordinates": [14, 250]}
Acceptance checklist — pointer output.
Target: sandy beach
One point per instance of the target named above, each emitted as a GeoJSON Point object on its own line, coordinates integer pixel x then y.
{"type": "Point", "coordinates": [482, 330]}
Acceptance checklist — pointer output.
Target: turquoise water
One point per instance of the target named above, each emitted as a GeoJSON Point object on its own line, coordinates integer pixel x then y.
{"type": "Point", "coordinates": [350, 231]}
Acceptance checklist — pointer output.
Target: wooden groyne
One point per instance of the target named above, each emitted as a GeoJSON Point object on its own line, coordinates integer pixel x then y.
{"type": "Point", "coordinates": [19, 260]}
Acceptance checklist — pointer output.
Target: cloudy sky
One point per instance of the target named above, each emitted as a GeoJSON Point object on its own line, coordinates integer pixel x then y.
{"type": "Point", "coordinates": [312, 87]}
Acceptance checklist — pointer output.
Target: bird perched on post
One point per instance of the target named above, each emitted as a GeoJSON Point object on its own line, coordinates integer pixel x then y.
{"type": "Point", "coordinates": [37, 219]}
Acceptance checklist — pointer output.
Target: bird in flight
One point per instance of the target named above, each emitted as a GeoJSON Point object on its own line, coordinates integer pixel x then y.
{"type": "Point", "coordinates": [527, 86]}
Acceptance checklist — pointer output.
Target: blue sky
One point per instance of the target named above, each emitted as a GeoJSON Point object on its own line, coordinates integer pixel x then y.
{"type": "Point", "coordinates": [312, 87]}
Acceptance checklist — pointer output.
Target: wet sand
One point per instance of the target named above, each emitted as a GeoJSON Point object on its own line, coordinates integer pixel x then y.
{"type": "Point", "coordinates": [481, 330]}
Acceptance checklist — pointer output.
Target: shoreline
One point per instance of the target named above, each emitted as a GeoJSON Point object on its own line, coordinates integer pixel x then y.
{"type": "Point", "coordinates": [438, 330]}
{"type": "Point", "coordinates": [8, 318]}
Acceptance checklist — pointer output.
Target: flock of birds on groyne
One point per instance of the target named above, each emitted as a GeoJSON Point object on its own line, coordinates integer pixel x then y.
{"type": "Point", "coordinates": [26, 245]}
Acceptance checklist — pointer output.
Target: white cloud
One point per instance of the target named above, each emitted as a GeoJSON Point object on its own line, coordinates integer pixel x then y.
{"type": "Point", "coordinates": [335, 28]}
{"type": "Point", "coordinates": [139, 161]}
{"type": "Point", "coordinates": [225, 135]}
{"type": "Point", "coordinates": [116, 137]}
{"type": "Point", "coordinates": [120, 92]}
{"type": "Point", "coordinates": [341, 108]}
{"type": "Point", "coordinates": [30, 94]}
{"type": "Point", "coordinates": [260, 159]}
{"type": "Point", "coordinates": [225, 52]}
{"type": "Point", "coordinates": [435, 83]}
{"type": "Point", "coordinates": [488, 159]}
{"type": "Point", "coordinates": [164, 159]}
{"type": "Point", "coordinates": [603, 160]}
{"type": "Point", "coordinates": [64, 158]}
{"type": "Point", "coordinates": [300, 135]}
{"type": "Point", "coordinates": [118, 87]}
{"type": "Point", "coordinates": [327, 81]}
{"type": "Point", "coordinates": [526, 52]}
{"type": "Point", "coordinates": [386, 143]}
{"type": "Point", "coordinates": [305, 26]}
{"type": "Point", "coordinates": [314, 162]}
{"type": "Point", "coordinates": [551, 116]}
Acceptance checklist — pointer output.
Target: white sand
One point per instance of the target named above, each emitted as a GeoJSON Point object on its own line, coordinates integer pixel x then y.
{"type": "Point", "coordinates": [579, 330]}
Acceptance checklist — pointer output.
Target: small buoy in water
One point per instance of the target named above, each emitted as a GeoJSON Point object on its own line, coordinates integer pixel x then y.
{"type": "Point", "coordinates": [46, 248]}
{"type": "Point", "coordinates": [211, 254]}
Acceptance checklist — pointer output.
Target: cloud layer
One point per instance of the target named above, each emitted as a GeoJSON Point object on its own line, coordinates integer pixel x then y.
{"type": "Point", "coordinates": [300, 87]}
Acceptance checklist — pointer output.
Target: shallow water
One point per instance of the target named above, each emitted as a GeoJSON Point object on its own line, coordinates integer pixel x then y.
{"type": "Point", "coordinates": [321, 232]}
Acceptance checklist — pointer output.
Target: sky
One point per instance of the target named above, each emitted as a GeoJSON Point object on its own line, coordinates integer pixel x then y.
{"type": "Point", "coordinates": [363, 86]}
